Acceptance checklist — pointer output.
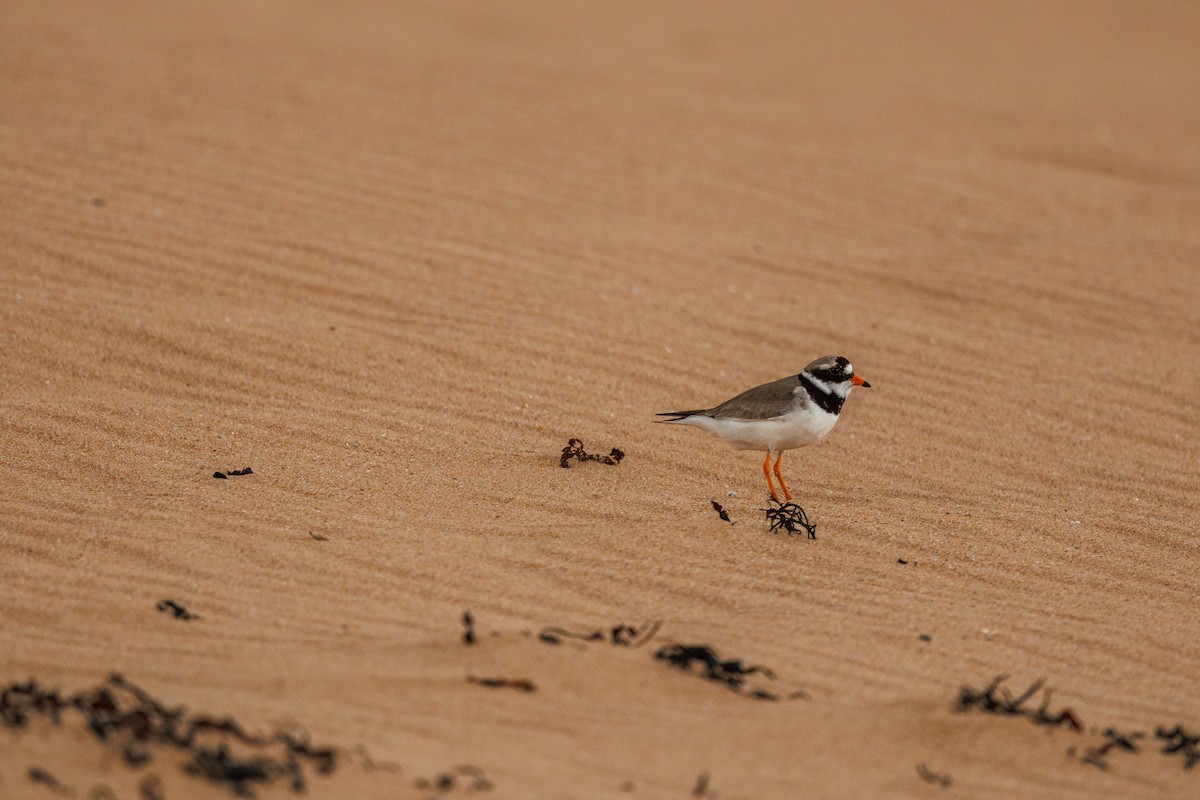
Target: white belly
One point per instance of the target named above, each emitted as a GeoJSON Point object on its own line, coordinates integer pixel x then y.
{"type": "Point", "coordinates": [804, 426]}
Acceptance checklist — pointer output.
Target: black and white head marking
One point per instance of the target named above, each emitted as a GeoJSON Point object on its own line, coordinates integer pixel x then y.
{"type": "Point", "coordinates": [827, 382]}
{"type": "Point", "coordinates": [830, 370]}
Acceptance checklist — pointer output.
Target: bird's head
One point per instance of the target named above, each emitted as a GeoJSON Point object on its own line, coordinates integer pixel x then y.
{"type": "Point", "coordinates": [835, 374]}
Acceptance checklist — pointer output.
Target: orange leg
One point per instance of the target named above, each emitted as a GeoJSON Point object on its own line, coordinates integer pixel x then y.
{"type": "Point", "coordinates": [786, 494]}
{"type": "Point", "coordinates": [767, 475]}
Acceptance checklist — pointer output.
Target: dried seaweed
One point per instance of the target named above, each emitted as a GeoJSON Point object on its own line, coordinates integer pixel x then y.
{"type": "Point", "coordinates": [151, 788]}
{"type": "Point", "coordinates": [696, 659]}
{"type": "Point", "coordinates": [624, 635]}
{"type": "Point", "coordinates": [621, 635]}
{"type": "Point", "coordinates": [997, 700]}
{"type": "Point", "coordinates": [555, 635]}
{"type": "Point", "coordinates": [789, 517]}
{"type": "Point", "coordinates": [39, 775]}
{"type": "Point", "coordinates": [466, 776]}
{"type": "Point", "coordinates": [219, 765]}
{"type": "Point", "coordinates": [370, 764]}
{"type": "Point", "coordinates": [1114, 740]}
{"type": "Point", "coordinates": [121, 710]}
{"type": "Point", "coordinates": [176, 610]}
{"type": "Point", "coordinates": [521, 684]}
{"type": "Point", "coordinates": [468, 622]}
{"type": "Point", "coordinates": [929, 776]}
{"type": "Point", "coordinates": [574, 449]}
{"type": "Point", "coordinates": [1180, 741]}
{"type": "Point", "coordinates": [234, 472]}
{"type": "Point", "coordinates": [703, 660]}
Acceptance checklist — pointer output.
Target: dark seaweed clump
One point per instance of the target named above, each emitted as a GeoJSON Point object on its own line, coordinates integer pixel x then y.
{"type": "Point", "coordinates": [574, 449]}
{"type": "Point", "coordinates": [995, 699]}
{"type": "Point", "coordinates": [789, 517]}
{"type": "Point", "coordinates": [218, 749]}
{"type": "Point", "coordinates": [702, 660]}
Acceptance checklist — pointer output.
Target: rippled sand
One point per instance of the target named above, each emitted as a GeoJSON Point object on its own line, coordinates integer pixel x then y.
{"type": "Point", "coordinates": [393, 258]}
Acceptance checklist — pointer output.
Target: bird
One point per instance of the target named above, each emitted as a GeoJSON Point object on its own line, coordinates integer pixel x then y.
{"type": "Point", "coordinates": [781, 415]}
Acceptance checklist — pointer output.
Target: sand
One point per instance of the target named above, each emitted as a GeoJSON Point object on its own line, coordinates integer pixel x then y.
{"type": "Point", "coordinates": [393, 256]}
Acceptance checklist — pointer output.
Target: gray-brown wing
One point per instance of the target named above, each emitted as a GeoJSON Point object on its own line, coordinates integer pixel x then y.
{"type": "Point", "coordinates": [772, 399]}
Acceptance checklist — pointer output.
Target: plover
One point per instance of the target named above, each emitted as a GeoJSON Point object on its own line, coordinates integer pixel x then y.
{"type": "Point", "coordinates": [781, 415]}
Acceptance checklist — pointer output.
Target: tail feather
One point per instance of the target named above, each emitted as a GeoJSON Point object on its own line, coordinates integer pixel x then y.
{"type": "Point", "coordinates": [678, 415]}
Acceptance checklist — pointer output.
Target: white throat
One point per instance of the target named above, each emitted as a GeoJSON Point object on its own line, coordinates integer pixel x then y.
{"type": "Point", "coordinates": [841, 390]}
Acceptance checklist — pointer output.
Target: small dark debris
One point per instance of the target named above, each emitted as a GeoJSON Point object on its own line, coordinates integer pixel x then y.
{"type": "Point", "coordinates": [789, 517]}
{"type": "Point", "coordinates": [370, 764]}
{"type": "Point", "coordinates": [39, 775]}
{"type": "Point", "coordinates": [1114, 740]}
{"type": "Point", "coordinates": [135, 754]}
{"type": "Point", "coordinates": [1065, 716]}
{"type": "Point", "coordinates": [628, 636]}
{"type": "Point", "coordinates": [901, 561]}
{"type": "Point", "coordinates": [176, 610]}
{"type": "Point", "coordinates": [555, 635]}
{"type": "Point", "coordinates": [929, 776]}
{"type": "Point", "coordinates": [469, 777]}
{"type": "Point", "coordinates": [233, 472]}
{"type": "Point", "coordinates": [318, 537]}
{"type": "Point", "coordinates": [574, 449]}
{"type": "Point", "coordinates": [627, 786]}
{"type": "Point", "coordinates": [721, 512]}
{"type": "Point", "coordinates": [521, 684]}
{"type": "Point", "coordinates": [925, 637]}
{"type": "Point", "coordinates": [151, 788]}
{"type": "Point", "coordinates": [621, 635]}
{"type": "Point", "coordinates": [468, 622]}
{"type": "Point", "coordinates": [99, 202]}
{"type": "Point", "coordinates": [700, 789]}
{"type": "Point", "coordinates": [1180, 741]}
{"type": "Point", "coordinates": [1123, 741]}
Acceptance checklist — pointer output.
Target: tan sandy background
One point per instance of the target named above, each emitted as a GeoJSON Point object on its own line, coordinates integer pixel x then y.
{"type": "Point", "coordinates": [393, 255]}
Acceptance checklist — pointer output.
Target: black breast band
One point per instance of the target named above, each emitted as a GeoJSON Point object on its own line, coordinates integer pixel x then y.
{"type": "Point", "coordinates": [826, 401]}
